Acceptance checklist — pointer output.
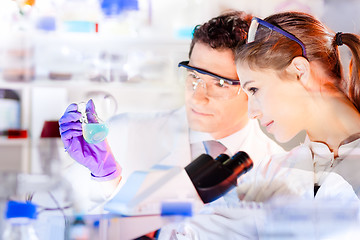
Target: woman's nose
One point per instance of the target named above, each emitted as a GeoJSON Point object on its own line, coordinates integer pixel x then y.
{"type": "Point", "coordinates": [253, 109]}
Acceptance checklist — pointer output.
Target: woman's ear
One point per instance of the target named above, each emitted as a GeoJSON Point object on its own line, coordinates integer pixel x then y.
{"type": "Point", "coordinates": [300, 66]}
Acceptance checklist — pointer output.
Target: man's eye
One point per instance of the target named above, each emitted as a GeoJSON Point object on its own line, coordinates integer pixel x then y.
{"type": "Point", "coordinates": [253, 90]}
{"type": "Point", "coordinates": [220, 83]}
{"type": "Point", "coordinates": [193, 75]}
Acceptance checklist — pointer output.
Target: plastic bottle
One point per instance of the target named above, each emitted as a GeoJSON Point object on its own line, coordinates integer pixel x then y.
{"type": "Point", "coordinates": [125, 17]}
{"type": "Point", "coordinates": [79, 230]}
{"type": "Point", "coordinates": [19, 221]}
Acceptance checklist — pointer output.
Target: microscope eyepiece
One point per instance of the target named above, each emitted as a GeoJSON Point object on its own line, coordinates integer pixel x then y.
{"type": "Point", "coordinates": [240, 163]}
{"type": "Point", "coordinates": [212, 178]}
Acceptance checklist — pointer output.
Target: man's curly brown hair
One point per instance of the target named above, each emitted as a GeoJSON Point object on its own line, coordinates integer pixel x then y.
{"type": "Point", "coordinates": [223, 32]}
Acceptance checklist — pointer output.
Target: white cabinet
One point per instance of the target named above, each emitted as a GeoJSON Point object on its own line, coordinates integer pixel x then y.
{"type": "Point", "coordinates": [14, 155]}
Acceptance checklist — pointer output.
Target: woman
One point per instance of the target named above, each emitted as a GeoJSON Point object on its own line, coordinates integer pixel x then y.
{"type": "Point", "coordinates": [291, 71]}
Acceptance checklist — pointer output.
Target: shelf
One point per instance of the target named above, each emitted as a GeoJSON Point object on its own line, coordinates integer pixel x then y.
{"type": "Point", "coordinates": [4, 141]}
{"type": "Point", "coordinates": [107, 40]}
{"type": "Point", "coordinates": [45, 82]}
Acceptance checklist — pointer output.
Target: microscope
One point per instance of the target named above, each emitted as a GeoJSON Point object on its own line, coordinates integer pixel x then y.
{"type": "Point", "coordinates": [172, 190]}
{"type": "Point", "coordinates": [212, 178]}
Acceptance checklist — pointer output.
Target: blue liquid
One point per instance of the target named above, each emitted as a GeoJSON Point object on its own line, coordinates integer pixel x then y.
{"type": "Point", "coordinates": [95, 132]}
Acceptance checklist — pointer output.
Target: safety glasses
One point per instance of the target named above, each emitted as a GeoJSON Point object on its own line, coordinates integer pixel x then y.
{"type": "Point", "coordinates": [215, 86]}
{"type": "Point", "coordinates": [229, 81]}
{"type": "Point", "coordinates": [260, 29]}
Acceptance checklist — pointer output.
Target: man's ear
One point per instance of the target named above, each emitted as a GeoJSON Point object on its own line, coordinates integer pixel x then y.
{"type": "Point", "coordinates": [301, 68]}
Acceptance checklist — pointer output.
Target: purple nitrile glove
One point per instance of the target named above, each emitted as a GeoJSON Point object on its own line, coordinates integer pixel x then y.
{"type": "Point", "coordinates": [98, 158]}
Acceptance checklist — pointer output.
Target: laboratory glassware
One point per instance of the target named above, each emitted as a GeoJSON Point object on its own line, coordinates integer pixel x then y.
{"type": "Point", "coordinates": [20, 217]}
{"type": "Point", "coordinates": [94, 129]}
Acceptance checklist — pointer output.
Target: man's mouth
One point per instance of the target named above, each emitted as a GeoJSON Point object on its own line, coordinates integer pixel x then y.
{"type": "Point", "coordinates": [199, 112]}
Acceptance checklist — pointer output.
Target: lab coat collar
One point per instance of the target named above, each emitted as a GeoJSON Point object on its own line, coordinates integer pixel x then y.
{"type": "Point", "coordinates": [196, 136]}
{"type": "Point", "coordinates": [234, 142]}
{"type": "Point", "coordinates": [322, 154]}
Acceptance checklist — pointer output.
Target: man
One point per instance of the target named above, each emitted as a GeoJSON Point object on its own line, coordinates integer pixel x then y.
{"type": "Point", "coordinates": [215, 109]}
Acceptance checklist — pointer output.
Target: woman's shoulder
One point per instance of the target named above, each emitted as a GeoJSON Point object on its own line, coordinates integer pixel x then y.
{"type": "Point", "coordinates": [296, 154]}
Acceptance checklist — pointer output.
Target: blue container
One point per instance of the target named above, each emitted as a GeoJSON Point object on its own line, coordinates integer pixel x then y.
{"type": "Point", "coordinates": [20, 209]}
{"type": "Point", "coordinates": [116, 7]}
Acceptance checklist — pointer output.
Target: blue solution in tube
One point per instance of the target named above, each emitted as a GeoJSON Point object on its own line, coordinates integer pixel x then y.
{"type": "Point", "coordinates": [95, 132]}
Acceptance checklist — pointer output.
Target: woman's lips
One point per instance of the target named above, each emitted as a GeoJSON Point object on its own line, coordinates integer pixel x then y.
{"type": "Point", "coordinates": [268, 125]}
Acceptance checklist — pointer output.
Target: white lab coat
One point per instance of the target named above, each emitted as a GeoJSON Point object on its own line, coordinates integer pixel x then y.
{"type": "Point", "coordinates": [297, 172]}
{"type": "Point", "coordinates": [141, 140]}
{"type": "Point", "coordinates": [284, 177]}
{"type": "Point", "coordinates": [344, 168]}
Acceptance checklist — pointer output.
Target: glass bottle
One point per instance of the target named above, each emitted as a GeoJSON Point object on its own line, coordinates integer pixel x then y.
{"type": "Point", "coordinates": [20, 217]}
{"type": "Point", "coordinates": [94, 129]}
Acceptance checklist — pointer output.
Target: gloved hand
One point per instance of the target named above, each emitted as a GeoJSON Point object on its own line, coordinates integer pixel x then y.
{"type": "Point", "coordinates": [98, 158]}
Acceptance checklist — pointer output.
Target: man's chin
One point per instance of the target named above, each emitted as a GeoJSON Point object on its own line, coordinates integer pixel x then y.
{"type": "Point", "coordinates": [200, 124]}
{"type": "Point", "coordinates": [199, 127]}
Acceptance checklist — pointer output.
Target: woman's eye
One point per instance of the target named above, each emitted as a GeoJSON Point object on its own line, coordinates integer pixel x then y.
{"type": "Point", "coordinates": [253, 90]}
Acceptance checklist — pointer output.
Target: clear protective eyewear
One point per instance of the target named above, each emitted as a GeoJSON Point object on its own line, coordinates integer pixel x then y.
{"type": "Point", "coordinates": [216, 86]}
{"type": "Point", "coordinates": [260, 29]}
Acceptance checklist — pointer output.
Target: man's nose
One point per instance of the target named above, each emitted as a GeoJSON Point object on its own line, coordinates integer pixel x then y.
{"type": "Point", "coordinates": [199, 90]}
